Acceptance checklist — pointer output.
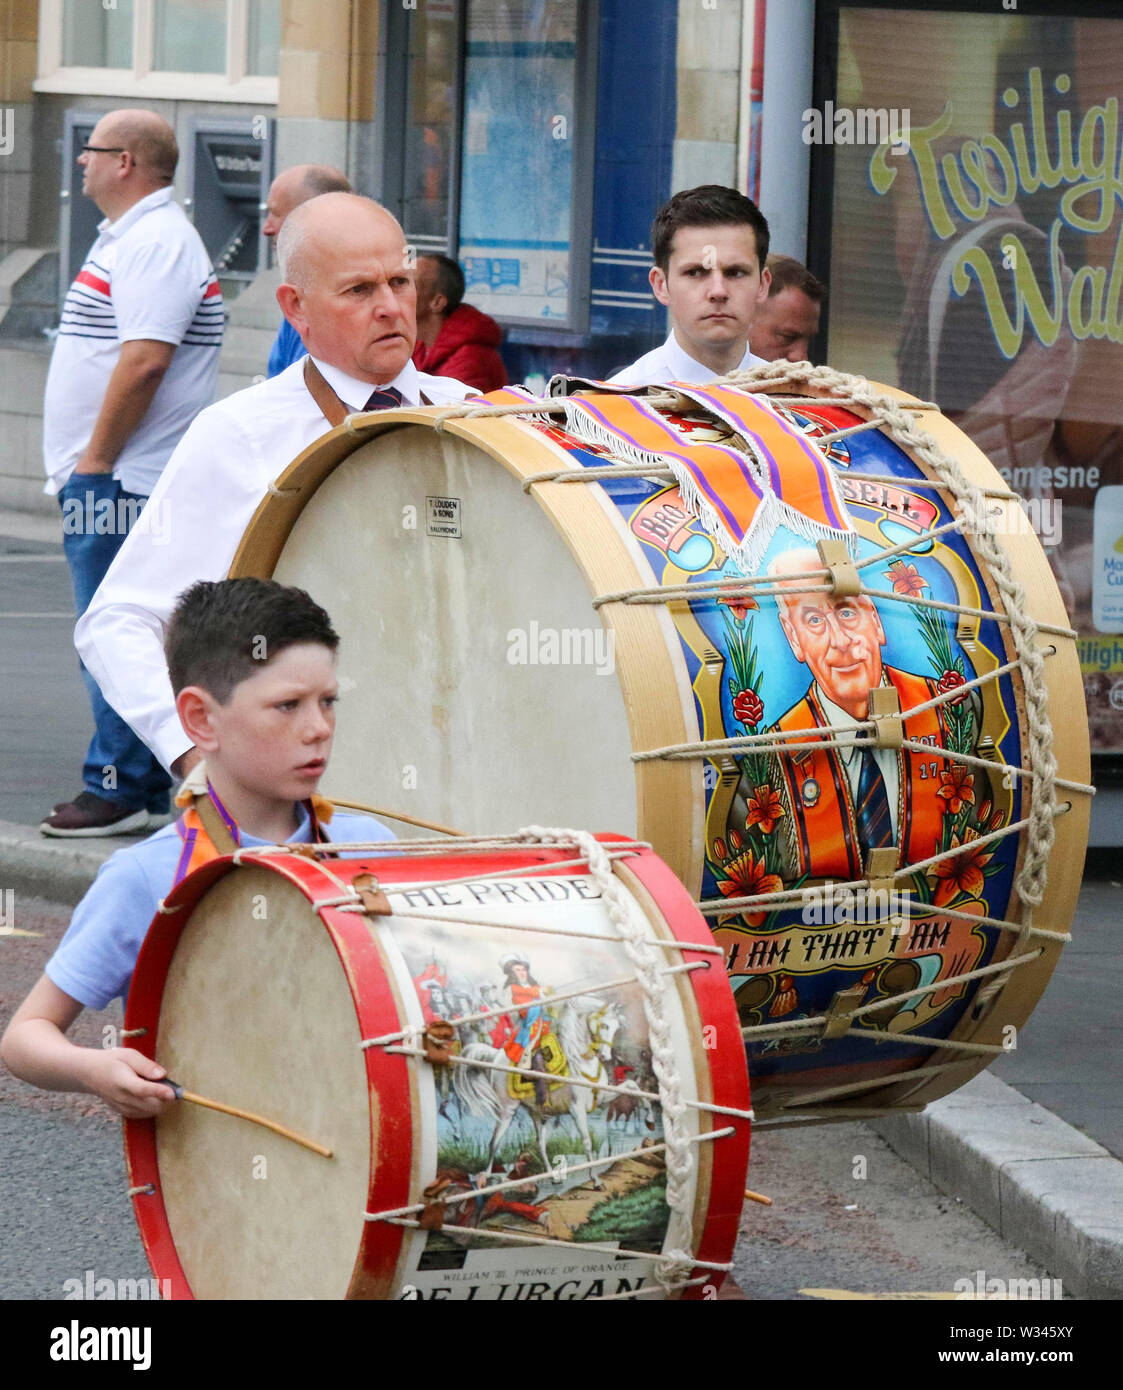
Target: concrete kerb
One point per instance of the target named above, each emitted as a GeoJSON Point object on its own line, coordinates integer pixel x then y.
{"type": "Point", "coordinates": [1036, 1180]}
{"type": "Point", "coordinates": [32, 865]}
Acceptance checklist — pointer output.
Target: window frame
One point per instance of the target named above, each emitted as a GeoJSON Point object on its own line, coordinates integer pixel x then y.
{"type": "Point", "coordinates": [141, 80]}
{"type": "Point", "coordinates": [392, 79]}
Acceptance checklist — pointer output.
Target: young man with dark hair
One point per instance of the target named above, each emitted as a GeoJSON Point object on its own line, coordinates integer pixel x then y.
{"type": "Point", "coordinates": [789, 318]}
{"type": "Point", "coordinates": [453, 338]}
{"type": "Point", "coordinates": [709, 245]}
{"type": "Point", "coordinates": [252, 664]}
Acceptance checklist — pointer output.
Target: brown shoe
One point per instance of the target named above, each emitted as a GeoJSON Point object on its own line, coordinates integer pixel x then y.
{"type": "Point", "coordinates": [88, 816]}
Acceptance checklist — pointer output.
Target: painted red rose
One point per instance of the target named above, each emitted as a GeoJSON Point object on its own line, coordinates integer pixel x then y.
{"type": "Point", "coordinates": [748, 708]}
{"type": "Point", "coordinates": [948, 681]}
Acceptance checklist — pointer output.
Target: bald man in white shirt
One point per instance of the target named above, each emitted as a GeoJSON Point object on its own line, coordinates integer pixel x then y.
{"type": "Point", "coordinates": [348, 291]}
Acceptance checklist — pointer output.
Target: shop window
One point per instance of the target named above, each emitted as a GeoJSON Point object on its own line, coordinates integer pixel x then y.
{"type": "Point", "coordinates": [480, 148]}
{"type": "Point", "coordinates": [202, 50]}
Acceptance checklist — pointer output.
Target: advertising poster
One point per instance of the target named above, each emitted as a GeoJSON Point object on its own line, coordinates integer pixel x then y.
{"type": "Point", "coordinates": [976, 259]}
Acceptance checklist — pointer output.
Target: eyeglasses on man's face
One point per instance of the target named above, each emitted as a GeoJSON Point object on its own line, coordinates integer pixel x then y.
{"type": "Point", "coordinates": [104, 149]}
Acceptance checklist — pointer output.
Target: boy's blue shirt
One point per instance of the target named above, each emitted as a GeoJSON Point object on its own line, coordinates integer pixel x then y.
{"type": "Point", "coordinates": [94, 961]}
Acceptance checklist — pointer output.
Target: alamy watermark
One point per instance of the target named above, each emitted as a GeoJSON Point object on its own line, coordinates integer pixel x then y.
{"type": "Point", "coordinates": [864, 125]}
{"type": "Point", "coordinates": [567, 646]}
{"type": "Point", "coordinates": [85, 515]}
{"type": "Point", "coordinates": [980, 1287]}
{"type": "Point", "coordinates": [1036, 516]}
{"type": "Point", "coordinates": [92, 1287]}
{"type": "Point", "coordinates": [7, 129]}
{"type": "Point", "coordinates": [834, 905]}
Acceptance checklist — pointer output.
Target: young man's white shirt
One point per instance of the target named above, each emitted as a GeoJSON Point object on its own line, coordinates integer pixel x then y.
{"type": "Point", "coordinates": [669, 362]}
{"type": "Point", "coordinates": [147, 276]}
{"type": "Point", "coordinates": [193, 523]}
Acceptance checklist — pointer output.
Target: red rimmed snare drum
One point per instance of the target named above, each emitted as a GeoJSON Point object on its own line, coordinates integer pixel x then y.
{"type": "Point", "coordinates": [580, 1131]}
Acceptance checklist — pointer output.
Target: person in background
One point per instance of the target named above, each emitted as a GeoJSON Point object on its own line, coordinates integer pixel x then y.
{"type": "Point", "coordinates": [135, 360]}
{"type": "Point", "coordinates": [348, 291]}
{"type": "Point", "coordinates": [453, 338]}
{"type": "Point", "coordinates": [709, 245]}
{"type": "Point", "coordinates": [789, 318]}
{"type": "Point", "coordinates": [288, 190]}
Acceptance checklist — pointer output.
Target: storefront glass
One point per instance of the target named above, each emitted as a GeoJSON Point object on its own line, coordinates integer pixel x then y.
{"type": "Point", "coordinates": [976, 254]}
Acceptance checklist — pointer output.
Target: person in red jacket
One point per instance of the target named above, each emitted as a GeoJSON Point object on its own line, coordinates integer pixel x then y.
{"type": "Point", "coordinates": [454, 339]}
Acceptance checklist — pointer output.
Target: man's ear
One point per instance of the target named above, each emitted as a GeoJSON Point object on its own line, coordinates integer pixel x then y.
{"type": "Point", "coordinates": [765, 285]}
{"type": "Point", "coordinates": [659, 285]}
{"type": "Point", "coordinates": [438, 303]}
{"type": "Point", "coordinates": [195, 707]}
{"type": "Point", "coordinates": [291, 301]}
{"type": "Point", "coordinates": [793, 639]}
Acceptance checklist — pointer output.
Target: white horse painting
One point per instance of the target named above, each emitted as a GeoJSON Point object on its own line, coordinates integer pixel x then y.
{"type": "Point", "coordinates": [586, 1029]}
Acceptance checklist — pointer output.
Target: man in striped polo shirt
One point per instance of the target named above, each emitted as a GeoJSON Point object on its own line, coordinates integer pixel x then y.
{"type": "Point", "coordinates": [135, 360]}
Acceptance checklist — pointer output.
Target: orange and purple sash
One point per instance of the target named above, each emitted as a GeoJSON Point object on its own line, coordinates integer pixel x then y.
{"type": "Point", "coordinates": [739, 494]}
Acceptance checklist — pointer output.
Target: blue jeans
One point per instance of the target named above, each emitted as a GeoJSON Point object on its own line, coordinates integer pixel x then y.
{"type": "Point", "coordinates": [118, 766]}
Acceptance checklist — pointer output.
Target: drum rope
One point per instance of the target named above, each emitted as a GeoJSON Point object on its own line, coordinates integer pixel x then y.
{"type": "Point", "coordinates": [569, 992]}
{"type": "Point", "coordinates": [811, 1025]}
{"type": "Point", "coordinates": [777, 740]}
{"type": "Point", "coordinates": [509, 1184]}
{"type": "Point", "coordinates": [1031, 879]}
{"type": "Point", "coordinates": [711, 907]}
{"type": "Point", "coordinates": [569, 1079]}
{"type": "Point", "coordinates": [502, 1233]}
{"type": "Point", "coordinates": [875, 1083]}
{"type": "Point", "coordinates": [412, 916]}
{"type": "Point", "coordinates": [676, 1260]}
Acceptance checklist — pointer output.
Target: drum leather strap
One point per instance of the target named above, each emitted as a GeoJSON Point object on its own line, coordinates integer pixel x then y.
{"type": "Point", "coordinates": [331, 407]}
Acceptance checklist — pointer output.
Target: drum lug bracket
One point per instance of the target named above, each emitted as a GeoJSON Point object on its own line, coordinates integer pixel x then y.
{"type": "Point", "coordinates": [432, 1217]}
{"type": "Point", "coordinates": [844, 579]}
{"type": "Point", "coordinates": [437, 1041]}
{"type": "Point", "coordinates": [885, 711]}
{"type": "Point", "coordinates": [839, 1010]}
{"type": "Point", "coordinates": [374, 900]}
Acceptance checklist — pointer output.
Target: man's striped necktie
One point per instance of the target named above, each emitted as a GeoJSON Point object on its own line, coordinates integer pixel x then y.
{"type": "Point", "coordinates": [875, 825]}
{"type": "Point", "coordinates": [384, 398]}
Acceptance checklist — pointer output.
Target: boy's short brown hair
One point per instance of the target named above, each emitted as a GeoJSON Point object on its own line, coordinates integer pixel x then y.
{"type": "Point", "coordinates": [222, 632]}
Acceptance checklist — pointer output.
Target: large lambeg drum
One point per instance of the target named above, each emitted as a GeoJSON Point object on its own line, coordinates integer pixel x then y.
{"type": "Point", "coordinates": [796, 633]}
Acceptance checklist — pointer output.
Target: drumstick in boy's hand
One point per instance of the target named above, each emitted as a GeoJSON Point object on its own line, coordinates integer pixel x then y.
{"type": "Point", "coordinates": [181, 1094]}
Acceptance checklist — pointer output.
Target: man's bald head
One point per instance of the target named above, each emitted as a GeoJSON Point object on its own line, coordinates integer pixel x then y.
{"type": "Point", "coordinates": [147, 137]}
{"type": "Point", "coordinates": [348, 285]}
{"type": "Point", "coordinates": [296, 185]}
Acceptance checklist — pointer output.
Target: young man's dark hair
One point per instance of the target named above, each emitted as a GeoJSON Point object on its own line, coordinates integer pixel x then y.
{"type": "Point", "coordinates": [223, 632]}
{"type": "Point", "coordinates": [449, 280]}
{"type": "Point", "coordinates": [788, 273]}
{"type": "Point", "coordinates": [711, 204]}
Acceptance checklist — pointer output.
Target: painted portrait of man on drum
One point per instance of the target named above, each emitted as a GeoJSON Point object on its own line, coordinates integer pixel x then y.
{"type": "Point", "coordinates": [834, 804]}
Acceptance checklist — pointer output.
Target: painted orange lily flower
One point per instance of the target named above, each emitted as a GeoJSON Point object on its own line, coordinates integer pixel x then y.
{"type": "Point", "coordinates": [906, 579]}
{"type": "Point", "coordinates": [963, 873]}
{"type": "Point", "coordinates": [765, 809]}
{"type": "Point", "coordinates": [740, 604]}
{"type": "Point", "coordinates": [745, 877]}
{"type": "Point", "coordinates": [957, 788]}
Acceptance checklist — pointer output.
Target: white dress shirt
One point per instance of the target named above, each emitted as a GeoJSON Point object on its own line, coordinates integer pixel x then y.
{"type": "Point", "coordinates": [193, 523]}
{"type": "Point", "coordinates": [851, 757]}
{"type": "Point", "coordinates": [670, 363]}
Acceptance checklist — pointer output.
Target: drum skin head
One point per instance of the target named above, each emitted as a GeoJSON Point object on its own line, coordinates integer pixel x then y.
{"type": "Point", "coordinates": [257, 1013]}
{"type": "Point", "coordinates": [468, 708]}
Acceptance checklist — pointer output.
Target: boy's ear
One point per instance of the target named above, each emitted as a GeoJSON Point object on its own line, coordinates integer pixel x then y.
{"type": "Point", "coordinates": [195, 707]}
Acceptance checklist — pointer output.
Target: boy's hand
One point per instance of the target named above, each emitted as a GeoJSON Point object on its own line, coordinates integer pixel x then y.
{"type": "Point", "coordinates": [129, 1082]}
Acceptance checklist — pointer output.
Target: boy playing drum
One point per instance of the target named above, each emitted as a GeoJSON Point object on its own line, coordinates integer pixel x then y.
{"type": "Point", "coordinates": [252, 664]}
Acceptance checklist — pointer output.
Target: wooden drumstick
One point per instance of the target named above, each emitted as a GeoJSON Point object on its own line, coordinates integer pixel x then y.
{"type": "Point", "coordinates": [395, 815]}
{"type": "Point", "coordinates": [181, 1094]}
{"type": "Point", "coordinates": [758, 1197]}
